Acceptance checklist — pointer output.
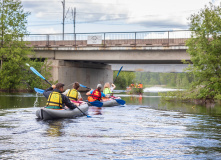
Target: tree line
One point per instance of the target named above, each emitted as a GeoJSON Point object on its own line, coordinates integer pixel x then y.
{"type": "Point", "coordinates": [172, 80]}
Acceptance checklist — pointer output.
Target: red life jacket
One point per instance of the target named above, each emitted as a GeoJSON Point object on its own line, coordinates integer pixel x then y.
{"type": "Point", "coordinates": [96, 95]}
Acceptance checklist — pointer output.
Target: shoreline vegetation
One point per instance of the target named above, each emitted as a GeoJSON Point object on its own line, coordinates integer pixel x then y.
{"type": "Point", "coordinates": [204, 48]}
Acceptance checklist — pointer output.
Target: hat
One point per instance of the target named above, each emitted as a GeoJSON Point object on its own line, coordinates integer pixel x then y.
{"type": "Point", "coordinates": [99, 86]}
{"type": "Point", "coordinates": [59, 85]}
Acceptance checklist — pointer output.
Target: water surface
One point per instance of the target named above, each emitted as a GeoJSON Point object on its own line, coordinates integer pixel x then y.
{"type": "Point", "coordinates": [144, 128]}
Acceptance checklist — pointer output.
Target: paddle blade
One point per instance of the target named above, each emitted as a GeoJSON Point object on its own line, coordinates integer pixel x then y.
{"type": "Point", "coordinates": [120, 101]}
{"type": "Point", "coordinates": [39, 90]}
{"type": "Point", "coordinates": [84, 86]}
{"type": "Point", "coordinates": [37, 73]}
{"type": "Point", "coordinates": [119, 70]}
{"type": "Point", "coordinates": [96, 103]}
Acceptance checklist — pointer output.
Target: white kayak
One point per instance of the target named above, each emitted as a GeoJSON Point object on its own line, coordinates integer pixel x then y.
{"type": "Point", "coordinates": [48, 114]}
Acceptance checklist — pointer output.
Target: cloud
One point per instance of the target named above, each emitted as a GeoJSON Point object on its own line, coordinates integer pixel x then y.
{"type": "Point", "coordinates": [157, 14]}
{"type": "Point", "coordinates": [47, 30]}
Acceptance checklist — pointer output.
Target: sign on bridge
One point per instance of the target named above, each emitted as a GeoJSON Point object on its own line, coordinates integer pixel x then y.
{"type": "Point", "coordinates": [94, 39]}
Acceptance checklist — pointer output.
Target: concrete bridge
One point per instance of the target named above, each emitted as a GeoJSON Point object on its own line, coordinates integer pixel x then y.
{"type": "Point", "coordinates": [88, 58]}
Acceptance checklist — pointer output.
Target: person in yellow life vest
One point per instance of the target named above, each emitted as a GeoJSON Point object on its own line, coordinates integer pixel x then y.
{"type": "Point", "coordinates": [56, 100]}
{"type": "Point", "coordinates": [95, 95]}
{"type": "Point", "coordinates": [108, 89]}
{"type": "Point", "coordinates": [73, 93]}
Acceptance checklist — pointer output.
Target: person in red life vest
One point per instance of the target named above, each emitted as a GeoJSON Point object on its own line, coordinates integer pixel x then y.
{"type": "Point", "coordinates": [95, 95]}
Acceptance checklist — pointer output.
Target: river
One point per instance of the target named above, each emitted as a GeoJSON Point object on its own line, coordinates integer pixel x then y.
{"type": "Point", "coordinates": [144, 128]}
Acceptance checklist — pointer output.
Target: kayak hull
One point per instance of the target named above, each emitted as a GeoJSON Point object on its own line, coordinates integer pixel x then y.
{"type": "Point", "coordinates": [50, 114]}
{"type": "Point", "coordinates": [110, 103]}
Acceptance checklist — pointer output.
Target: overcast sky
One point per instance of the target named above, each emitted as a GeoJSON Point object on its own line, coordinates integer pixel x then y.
{"type": "Point", "coordinates": [111, 15]}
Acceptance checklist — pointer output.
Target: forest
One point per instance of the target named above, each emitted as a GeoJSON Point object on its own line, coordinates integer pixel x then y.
{"type": "Point", "coordinates": [172, 80]}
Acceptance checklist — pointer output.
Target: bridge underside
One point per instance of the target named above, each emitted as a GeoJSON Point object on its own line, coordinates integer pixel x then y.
{"type": "Point", "coordinates": [91, 66]}
{"type": "Point", "coordinates": [148, 56]}
{"type": "Point", "coordinates": [88, 74]}
{"type": "Point", "coordinates": [165, 68]}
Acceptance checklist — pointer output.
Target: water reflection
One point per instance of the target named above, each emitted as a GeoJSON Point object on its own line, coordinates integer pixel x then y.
{"type": "Point", "coordinates": [95, 110]}
{"type": "Point", "coordinates": [54, 128]}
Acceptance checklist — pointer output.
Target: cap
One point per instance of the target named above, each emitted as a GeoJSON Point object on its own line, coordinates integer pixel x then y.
{"type": "Point", "coordinates": [59, 85]}
{"type": "Point", "coordinates": [99, 86]}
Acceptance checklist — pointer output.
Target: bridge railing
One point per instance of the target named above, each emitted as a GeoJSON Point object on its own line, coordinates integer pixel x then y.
{"type": "Point", "coordinates": [109, 39]}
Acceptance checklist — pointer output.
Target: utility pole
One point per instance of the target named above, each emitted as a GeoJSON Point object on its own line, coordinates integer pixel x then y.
{"type": "Point", "coordinates": [63, 3]}
{"type": "Point", "coordinates": [74, 20]}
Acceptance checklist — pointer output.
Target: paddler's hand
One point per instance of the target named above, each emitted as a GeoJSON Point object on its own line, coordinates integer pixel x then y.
{"type": "Point", "coordinates": [53, 86]}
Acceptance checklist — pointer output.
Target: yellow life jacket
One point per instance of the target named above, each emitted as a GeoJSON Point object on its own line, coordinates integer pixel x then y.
{"type": "Point", "coordinates": [107, 91]}
{"type": "Point", "coordinates": [73, 94]}
{"type": "Point", "coordinates": [54, 99]}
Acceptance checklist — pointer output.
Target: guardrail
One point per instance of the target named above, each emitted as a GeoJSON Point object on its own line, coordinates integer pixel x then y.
{"type": "Point", "coordinates": [109, 39]}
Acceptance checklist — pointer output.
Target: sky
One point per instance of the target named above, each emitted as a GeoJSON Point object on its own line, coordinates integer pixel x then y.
{"type": "Point", "coordinates": [111, 15]}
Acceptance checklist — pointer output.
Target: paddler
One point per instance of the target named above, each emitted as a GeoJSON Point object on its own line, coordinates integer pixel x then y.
{"type": "Point", "coordinates": [73, 94]}
{"type": "Point", "coordinates": [95, 95]}
{"type": "Point", "coordinates": [56, 100]}
{"type": "Point", "coordinates": [108, 89]}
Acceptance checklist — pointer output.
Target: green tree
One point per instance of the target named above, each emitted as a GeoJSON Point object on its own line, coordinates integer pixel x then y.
{"type": "Point", "coordinates": [13, 51]}
{"type": "Point", "coordinates": [204, 47]}
{"type": "Point", "coordinates": [124, 79]}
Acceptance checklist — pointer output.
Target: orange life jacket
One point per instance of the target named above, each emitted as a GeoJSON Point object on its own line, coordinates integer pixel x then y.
{"type": "Point", "coordinates": [91, 99]}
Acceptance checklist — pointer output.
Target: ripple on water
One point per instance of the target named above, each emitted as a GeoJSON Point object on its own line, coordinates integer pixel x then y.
{"type": "Point", "coordinates": [131, 132]}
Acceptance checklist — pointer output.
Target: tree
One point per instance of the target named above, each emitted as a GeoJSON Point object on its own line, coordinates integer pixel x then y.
{"type": "Point", "coordinates": [204, 47]}
{"type": "Point", "coordinates": [13, 51]}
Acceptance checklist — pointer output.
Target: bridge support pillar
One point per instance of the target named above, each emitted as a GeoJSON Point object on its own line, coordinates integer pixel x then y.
{"type": "Point", "coordinates": [86, 73]}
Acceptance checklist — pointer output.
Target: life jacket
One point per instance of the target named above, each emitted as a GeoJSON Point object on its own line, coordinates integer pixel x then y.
{"type": "Point", "coordinates": [91, 99]}
{"type": "Point", "coordinates": [132, 85]}
{"type": "Point", "coordinates": [54, 99]}
{"type": "Point", "coordinates": [73, 94]}
{"type": "Point", "coordinates": [141, 85]}
{"type": "Point", "coordinates": [107, 91]}
{"type": "Point", "coordinates": [96, 95]}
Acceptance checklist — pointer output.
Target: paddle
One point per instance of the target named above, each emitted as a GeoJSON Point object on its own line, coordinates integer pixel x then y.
{"type": "Point", "coordinates": [118, 74]}
{"type": "Point", "coordinates": [85, 86]}
{"type": "Point", "coordinates": [38, 74]}
{"type": "Point", "coordinates": [120, 101]}
{"type": "Point", "coordinates": [39, 90]}
{"type": "Point", "coordinates": [95, 103]}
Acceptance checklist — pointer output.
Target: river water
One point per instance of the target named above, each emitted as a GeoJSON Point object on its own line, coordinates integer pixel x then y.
{"type": "Point", "coordinates": [145, 128]}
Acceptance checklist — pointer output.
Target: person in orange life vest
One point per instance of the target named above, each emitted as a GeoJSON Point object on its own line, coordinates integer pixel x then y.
{"type": "Point", "coordinates": [132, 85]}
{"type": "Point", "coordinates": [140, 85]}
{"type": "Point", "coordinates": [95, 95]}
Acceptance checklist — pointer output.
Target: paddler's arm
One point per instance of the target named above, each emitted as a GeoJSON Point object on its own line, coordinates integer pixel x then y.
{"type": "Point", "coordinates": [67, 102]}
{"type": "Point", "coordinates": [48, 91]}
{"type": "Point", "coordinates": [90, 92]}
{"type": "Point", "coordinates": [105, 95]}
